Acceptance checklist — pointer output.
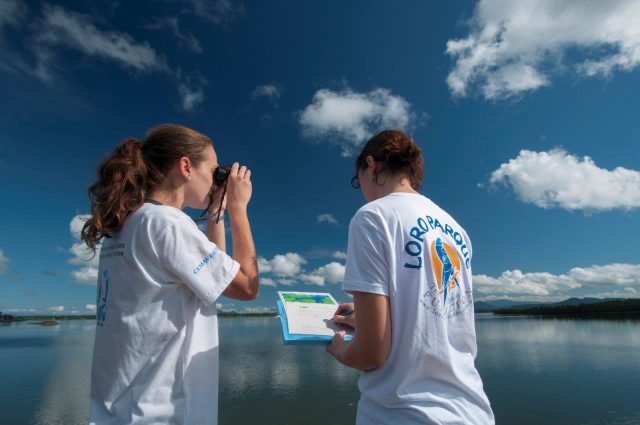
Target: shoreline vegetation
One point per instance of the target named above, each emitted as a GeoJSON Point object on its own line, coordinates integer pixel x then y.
{"type": "Point", "coordinates": [50, 320]}
{"type": "Point", "coordinates": [613, 308]}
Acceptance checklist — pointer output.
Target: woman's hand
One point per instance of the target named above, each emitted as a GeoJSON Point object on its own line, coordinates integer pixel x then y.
{"type": "Point", "coordinates": [239, 188]}
{"type": "Point", "coordinates": [349, 320]}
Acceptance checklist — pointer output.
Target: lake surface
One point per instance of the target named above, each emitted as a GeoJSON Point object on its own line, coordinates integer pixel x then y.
{"type": "Point", "coordinates": [535, 371]}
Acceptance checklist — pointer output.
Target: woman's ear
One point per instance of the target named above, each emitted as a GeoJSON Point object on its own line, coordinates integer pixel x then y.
{"type": "Point", "coordinates": [371, 163]}
{"type": "Point", "coordinates": [184, 167]}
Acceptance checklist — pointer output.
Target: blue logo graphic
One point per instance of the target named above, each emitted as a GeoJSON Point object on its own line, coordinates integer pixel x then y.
{"type": "Point", "coordinates": [101, 302]}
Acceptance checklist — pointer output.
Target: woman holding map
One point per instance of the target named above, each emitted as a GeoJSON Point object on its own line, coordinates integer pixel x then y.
{"type": "Point", "coordinates": [409, 271]}
{"type": "Point", "coordinates": [155, 357]}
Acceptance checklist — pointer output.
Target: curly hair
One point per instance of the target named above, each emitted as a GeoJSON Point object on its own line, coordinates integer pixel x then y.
{"type": "Point", "coordinates": [397, 152]}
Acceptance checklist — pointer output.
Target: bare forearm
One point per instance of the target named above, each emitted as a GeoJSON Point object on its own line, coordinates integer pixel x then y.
{"type": "Point", "coordinates": [244, 251]}
{"type": "Point", "coordinates": [216, 233]}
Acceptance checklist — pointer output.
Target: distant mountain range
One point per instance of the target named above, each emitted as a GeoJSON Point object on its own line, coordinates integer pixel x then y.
{"type": "Point", "coordinates": [491, 306]}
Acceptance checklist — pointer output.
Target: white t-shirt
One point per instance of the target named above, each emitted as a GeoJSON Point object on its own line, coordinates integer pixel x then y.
{"type": "Point", "coordinates": [155, 356]}
{"type": "Point", "coordinates": [405, 247]}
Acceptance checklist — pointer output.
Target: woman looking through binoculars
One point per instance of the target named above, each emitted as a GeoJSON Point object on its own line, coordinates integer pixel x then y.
{"type": "Point", "coordinates": [156, 344]}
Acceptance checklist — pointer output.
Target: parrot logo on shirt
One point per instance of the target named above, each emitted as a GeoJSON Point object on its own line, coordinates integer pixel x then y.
{"type": "Point", "coordinates": [446, 267]}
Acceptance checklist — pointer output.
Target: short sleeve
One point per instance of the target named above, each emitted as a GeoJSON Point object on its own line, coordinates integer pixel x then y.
{"type": "Point", "coordinates": [194, 260]}
{"type": "Point", "coordinates": [367, 268]}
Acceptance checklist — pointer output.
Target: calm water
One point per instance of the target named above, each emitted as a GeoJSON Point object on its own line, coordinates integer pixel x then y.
{"type": "Point", "coordinates": [536, 371]}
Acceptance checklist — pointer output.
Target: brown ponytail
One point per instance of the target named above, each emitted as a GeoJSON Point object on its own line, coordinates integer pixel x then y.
{"type": "Point", "coordinates": [134, 169]}
{"type": "Point", "coordinates": [397, 152]}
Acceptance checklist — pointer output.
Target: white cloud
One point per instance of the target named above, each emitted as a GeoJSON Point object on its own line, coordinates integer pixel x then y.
{"type": "Point", "coordinates": [329, 273]}
{"type": "Point", "coordinates": [186, 39]}
{"type": "Point", "coordinates": [258, 309]}
{"type": "Point", "coordinates": [56, 309]}
{"type": "Point", "coordinates": [87, 275]}
{"type": "Point", "coordinates": [4, 262]}
{"type": "Point", "coordinates": [348, 118]}
{"type": "Point", "coordinates": [191, 91]}
{"type": "Point", "coordinates": [339, 255]}
{"type": "Point", "coordinates": [612, 274]}
{"type": "Point", "coordinates": [90, 307]}
{"type": "Point", "coordinates": [287, 265]}
{"type": "Point", "coordinates": [267, 281]}
{"type": "Point", "coordinates": [269, 91]}
{"type": "Point", "coordinates": [515, 284]}
{"type": "Point", "coordinates": [514, 46]}
{"type": "Point", "coordinates": [288, 270]}
{"type": "Point", "coordinates": [264, 265]}
{"type": "Point", "coordinates": [326, 218]}
{"type": "Point", "coordinates": [190, 97]}
{"type": "Point", "coordinates": [217, 11]}
{"type": "Point", "coordinates": [82, 254]}
{"type": "Point", "coordinates": [65, 28]}
{"type": "Point", "coordinates": [623, 293]}
{"type": "Point", "coordinates": [282, 265]}
{"type": "Point", "coordinates": [559, 179]}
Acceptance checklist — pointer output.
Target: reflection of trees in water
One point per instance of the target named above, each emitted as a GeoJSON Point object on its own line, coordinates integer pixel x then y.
{"type": "Point", "coordinates": [65, 398]}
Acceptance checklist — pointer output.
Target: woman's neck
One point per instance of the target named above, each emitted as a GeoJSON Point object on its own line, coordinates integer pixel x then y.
{"type": "Point", "coordinates": [168, 196]}
{"type": "Point", "coordinates": [393, 185]}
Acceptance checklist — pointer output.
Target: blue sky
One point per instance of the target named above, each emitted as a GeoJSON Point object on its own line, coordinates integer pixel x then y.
{"type": "Point", "coordinates": [526, 113]}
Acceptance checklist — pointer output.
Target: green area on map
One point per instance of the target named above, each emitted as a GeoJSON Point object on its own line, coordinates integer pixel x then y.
{"type": "Point", "coordinates": [307, 298]}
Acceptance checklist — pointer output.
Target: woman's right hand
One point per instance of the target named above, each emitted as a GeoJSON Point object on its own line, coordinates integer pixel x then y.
{"type": "Point", "coordinates": [239, 188]}
{"type": "Point", "coordinates": [349, 320]}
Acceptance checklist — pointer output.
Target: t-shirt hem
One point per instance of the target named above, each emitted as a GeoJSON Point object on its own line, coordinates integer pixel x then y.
{"type": "Point", "coordinates": [350, 286]}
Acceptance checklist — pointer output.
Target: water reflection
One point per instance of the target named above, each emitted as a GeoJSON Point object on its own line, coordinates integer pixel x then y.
{"type": "Point", "coordinates": [65, 396]}
{"type": "Point", "coordinates": [535, 371]}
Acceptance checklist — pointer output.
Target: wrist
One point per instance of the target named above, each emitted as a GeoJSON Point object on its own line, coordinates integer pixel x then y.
{"type": "Point", "coordinates": [237, 209]}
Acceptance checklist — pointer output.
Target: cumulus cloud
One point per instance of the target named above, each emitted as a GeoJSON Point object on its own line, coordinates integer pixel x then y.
{"type": "Point", "coordinates": [331, 273]}
{"type": "Point", "coordinates": [282, 265]}
{"type": "Point", "coordinates": [340, 255]}
{"type": "Point", "coordinates": [82, 254]}
{"type": "Point", "coordinates": [258, 309]}
{"type": "Point", "coordinates": [287, 269]}
{"type": "Point", "coordinates": [4, 262]}
{"type": "Point", "coordinates": [90, 307]}
{"type": "Point", "coordinates": [268, 91]}
{"type": "Point", "coordinates": [515, 46]}
{"type": "Point", "coordinates": [267, 281]}
{"type": "Point", "coordinates": [326, 218]}
{"type": "Point", "coordinates": [622, 293]}
{"type": "Point", "coordinates": [56, 309]}
{"type": "Point", "coordinates": [62, 28]}
{"type": "Point", "coordinates": [557, 179]}
{"type": "Point", "coordinates": [516, 284]}
{"type": "Point", "coordinates": [348, 118]}
{"type": "Point", "coordinates": [87, 275]}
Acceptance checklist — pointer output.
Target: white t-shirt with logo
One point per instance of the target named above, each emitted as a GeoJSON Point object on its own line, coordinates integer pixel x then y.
{"type": "Point", "coordinates": [405, 247]}
{"type": "Point", "coordinates": [155, 357]}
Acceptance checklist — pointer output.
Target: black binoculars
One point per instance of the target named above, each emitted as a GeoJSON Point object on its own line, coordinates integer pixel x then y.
{"type": "Point", "coordinates": [221, 174]}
